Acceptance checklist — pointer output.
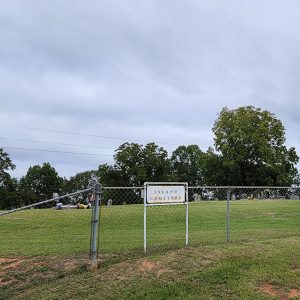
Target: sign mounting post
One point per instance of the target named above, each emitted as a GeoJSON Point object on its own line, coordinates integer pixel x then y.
{"type": "Point", "coordinates": [165, 193]}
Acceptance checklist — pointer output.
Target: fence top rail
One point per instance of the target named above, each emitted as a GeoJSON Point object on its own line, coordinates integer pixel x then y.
{"type": "Point", "coordinates": [43, 202]}
{"type": "Point", "coordinates": [122, 187]}
{"type": "Point", "coordinates": [204, 187]}
{"type": "Point", "coordinates": [241, 187]}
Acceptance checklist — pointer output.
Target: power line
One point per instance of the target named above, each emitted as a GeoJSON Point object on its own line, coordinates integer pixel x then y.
{"type": "Point", "coordinates": [53, 143]}
{"type": "Point", "coordinates": [78, 133]}
{"type": "Point", "coordinates": [56, 151]}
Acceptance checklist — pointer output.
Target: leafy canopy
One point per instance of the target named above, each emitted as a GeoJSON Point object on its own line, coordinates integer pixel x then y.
{"type": "Point", "coordinates": [139, 164]}
{"type": "Point", "coordinates": [187, 164]}
{"type": "Point", "coordinates": [42, 181]}
{"type": "Point", "coordinates": [5, 165]}
{"type": "Point", "coordinates": [251, 142]}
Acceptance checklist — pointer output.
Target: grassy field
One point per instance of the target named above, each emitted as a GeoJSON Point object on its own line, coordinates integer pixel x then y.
{"type": "Point", "coordinates": [43, 253]}
{"type": "Point", "coordinates": [67, 232]}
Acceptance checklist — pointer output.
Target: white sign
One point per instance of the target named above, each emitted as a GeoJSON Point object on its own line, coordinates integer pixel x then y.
{"type": "Point", "coordinates": [165, 194]}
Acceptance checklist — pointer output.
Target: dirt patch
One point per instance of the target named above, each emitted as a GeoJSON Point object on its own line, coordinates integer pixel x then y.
{"type": "Point", "coordinates": [7, 261]}
{"type": "Point", "coordinates": [4, 260]}
{"type": "Point", "coordinates": [4, 281]}
{"type": "Point", "coordinates": [7, 264]}
{"type": "Point", "coordinates": [147, 265]}
{"type": "Point", "coordinates": [294, 293]}
{"type": "Point", "coordinates": [154, 267]}
{"type": "Point", "coordinates": [268, 289]}
{"type": "Point", "coordinates": [67, 264]}
{"type": "Point", "coordinates": [22, 270]}
{"type": "Point", "coordinates": [160, 272]}
{"type": "Point", "coordinates": [140, 267]}
{"type": "Point", "coordinates": [279, 293]}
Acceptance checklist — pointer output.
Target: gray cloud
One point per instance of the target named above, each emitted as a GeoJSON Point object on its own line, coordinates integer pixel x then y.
{"type": "Point", "coordinates": [143, 70]}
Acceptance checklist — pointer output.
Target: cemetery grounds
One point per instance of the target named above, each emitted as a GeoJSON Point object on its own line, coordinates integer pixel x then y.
{"type": "Point", "coordinates": [44, 253]}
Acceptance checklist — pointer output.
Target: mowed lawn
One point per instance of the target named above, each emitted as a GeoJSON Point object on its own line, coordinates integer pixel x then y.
{"type": "Point", "coordinates": [43, 253]}
{"type": "Point", "coordinates": [67, 232]}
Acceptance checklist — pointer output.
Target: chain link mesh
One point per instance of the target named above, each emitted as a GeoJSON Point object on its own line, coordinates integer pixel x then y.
{"type": "Point", "coordinates": [121, 219]}
{"type": "Point", "coordinates": [262, 213]}
{"type": "Point", "coordinates": [216, 214]}
{"type": "Point", "coordinates": [47, 231]}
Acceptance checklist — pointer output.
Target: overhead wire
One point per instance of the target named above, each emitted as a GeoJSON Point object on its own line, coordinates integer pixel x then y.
{"type": "Point", "coordinates": [56, 151]}
{"type": "Point", "coordinates": [79, 134]}
{"type": "Point", "coordinates": [59, 143]}
{"type": "Point", "coordinates": [54, 143]}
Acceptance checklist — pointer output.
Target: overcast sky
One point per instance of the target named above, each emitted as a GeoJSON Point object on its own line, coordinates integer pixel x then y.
{"type": "Point", "coordinates": [99, 73]}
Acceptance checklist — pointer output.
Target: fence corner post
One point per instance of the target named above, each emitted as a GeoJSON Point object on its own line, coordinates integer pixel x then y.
{"type": "Point", "coordinates": [228, 216]}
{"type": "Point", "coordinates": [95, 224]}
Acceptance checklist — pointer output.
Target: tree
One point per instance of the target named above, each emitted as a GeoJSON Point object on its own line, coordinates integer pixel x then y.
{"type": "Point", "coordinates": [9, 194]}
{"type": "Point", "coordinates": [215, 171]}
{"type": "Point", "coordinates": [155, 163]}
{"type": "Point", "coordinates": [78, 182]}
{"type": "Point", "coordinates": [139, 164]}
{"type": "Point", "coordinates": [5, 165]}
{"type": "Point", "coordinates": [128, 160]}
{"type": "Point", "coordinates": [187, 164]}
{"type": "Point", "coordinates": [9, 197]}
{"type": "Point", "coordinates": [111, 176]}
{"type": "Point", "coordinates": [41, 181]}
{"type": "Point", "coordinates": [251, 143]}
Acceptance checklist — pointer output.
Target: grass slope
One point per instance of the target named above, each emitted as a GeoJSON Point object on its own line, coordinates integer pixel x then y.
{"type": "Point", "coordinates": [257, 270]}
{"type": "Point", "coordinates": [43, 253]}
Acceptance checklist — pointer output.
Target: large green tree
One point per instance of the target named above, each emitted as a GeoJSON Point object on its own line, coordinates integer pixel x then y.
{"type": "Point", "coordinates": [251, 144]}
{"type": "Point", "coordinates": [78, 182]}
{"type": "Point", "coordinates": [112, 176]}
{"type": "Point", "coordinates": [215, 171]}
{"type": "Point", "coordinates": [5, 165]}
{"type": "Point", "coordinates": [41, 181]}
{"type": "Point", "coordinates": [139, 164]}
{"type": "Point", "coordinates": [187, 164]}
{"type": "Point", "coordinates": [10, 197]}
{"type": "Point", "coordinates": [8, 186]}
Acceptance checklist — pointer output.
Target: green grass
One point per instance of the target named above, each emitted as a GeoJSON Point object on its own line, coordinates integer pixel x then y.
{"type": "Point", "coordinates": [43, 253]}
{"type": "Point", "coordinates": [67, 232]}
{"type": "Point", "coordinates": [221, 271]}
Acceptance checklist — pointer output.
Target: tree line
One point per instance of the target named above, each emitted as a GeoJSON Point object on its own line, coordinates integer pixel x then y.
{"type": "Point", "coordinates": [249, 150]}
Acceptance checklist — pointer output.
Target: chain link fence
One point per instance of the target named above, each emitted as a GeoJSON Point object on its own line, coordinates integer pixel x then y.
{"type": "Point", "coordinates": [216, 215]}
{"type": "Point", "coordinates": [51, 227]}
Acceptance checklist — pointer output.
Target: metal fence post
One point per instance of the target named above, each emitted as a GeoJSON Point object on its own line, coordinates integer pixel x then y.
{"type": "Point", "coordinates": [95, 227]}
{"type": "Point", "coordinates": [186, 215]}
{"type": "Point", "coordinates": [145, 219]}
{"type": "Point", "coordinates": [228, 216]}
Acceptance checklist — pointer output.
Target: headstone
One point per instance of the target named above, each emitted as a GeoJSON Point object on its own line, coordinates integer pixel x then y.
{"type": "Point", "coordinates": [197, 197]}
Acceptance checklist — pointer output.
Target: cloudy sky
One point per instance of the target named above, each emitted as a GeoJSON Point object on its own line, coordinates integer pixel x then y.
{"type": "Point", "coordinates": [85, 76]}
